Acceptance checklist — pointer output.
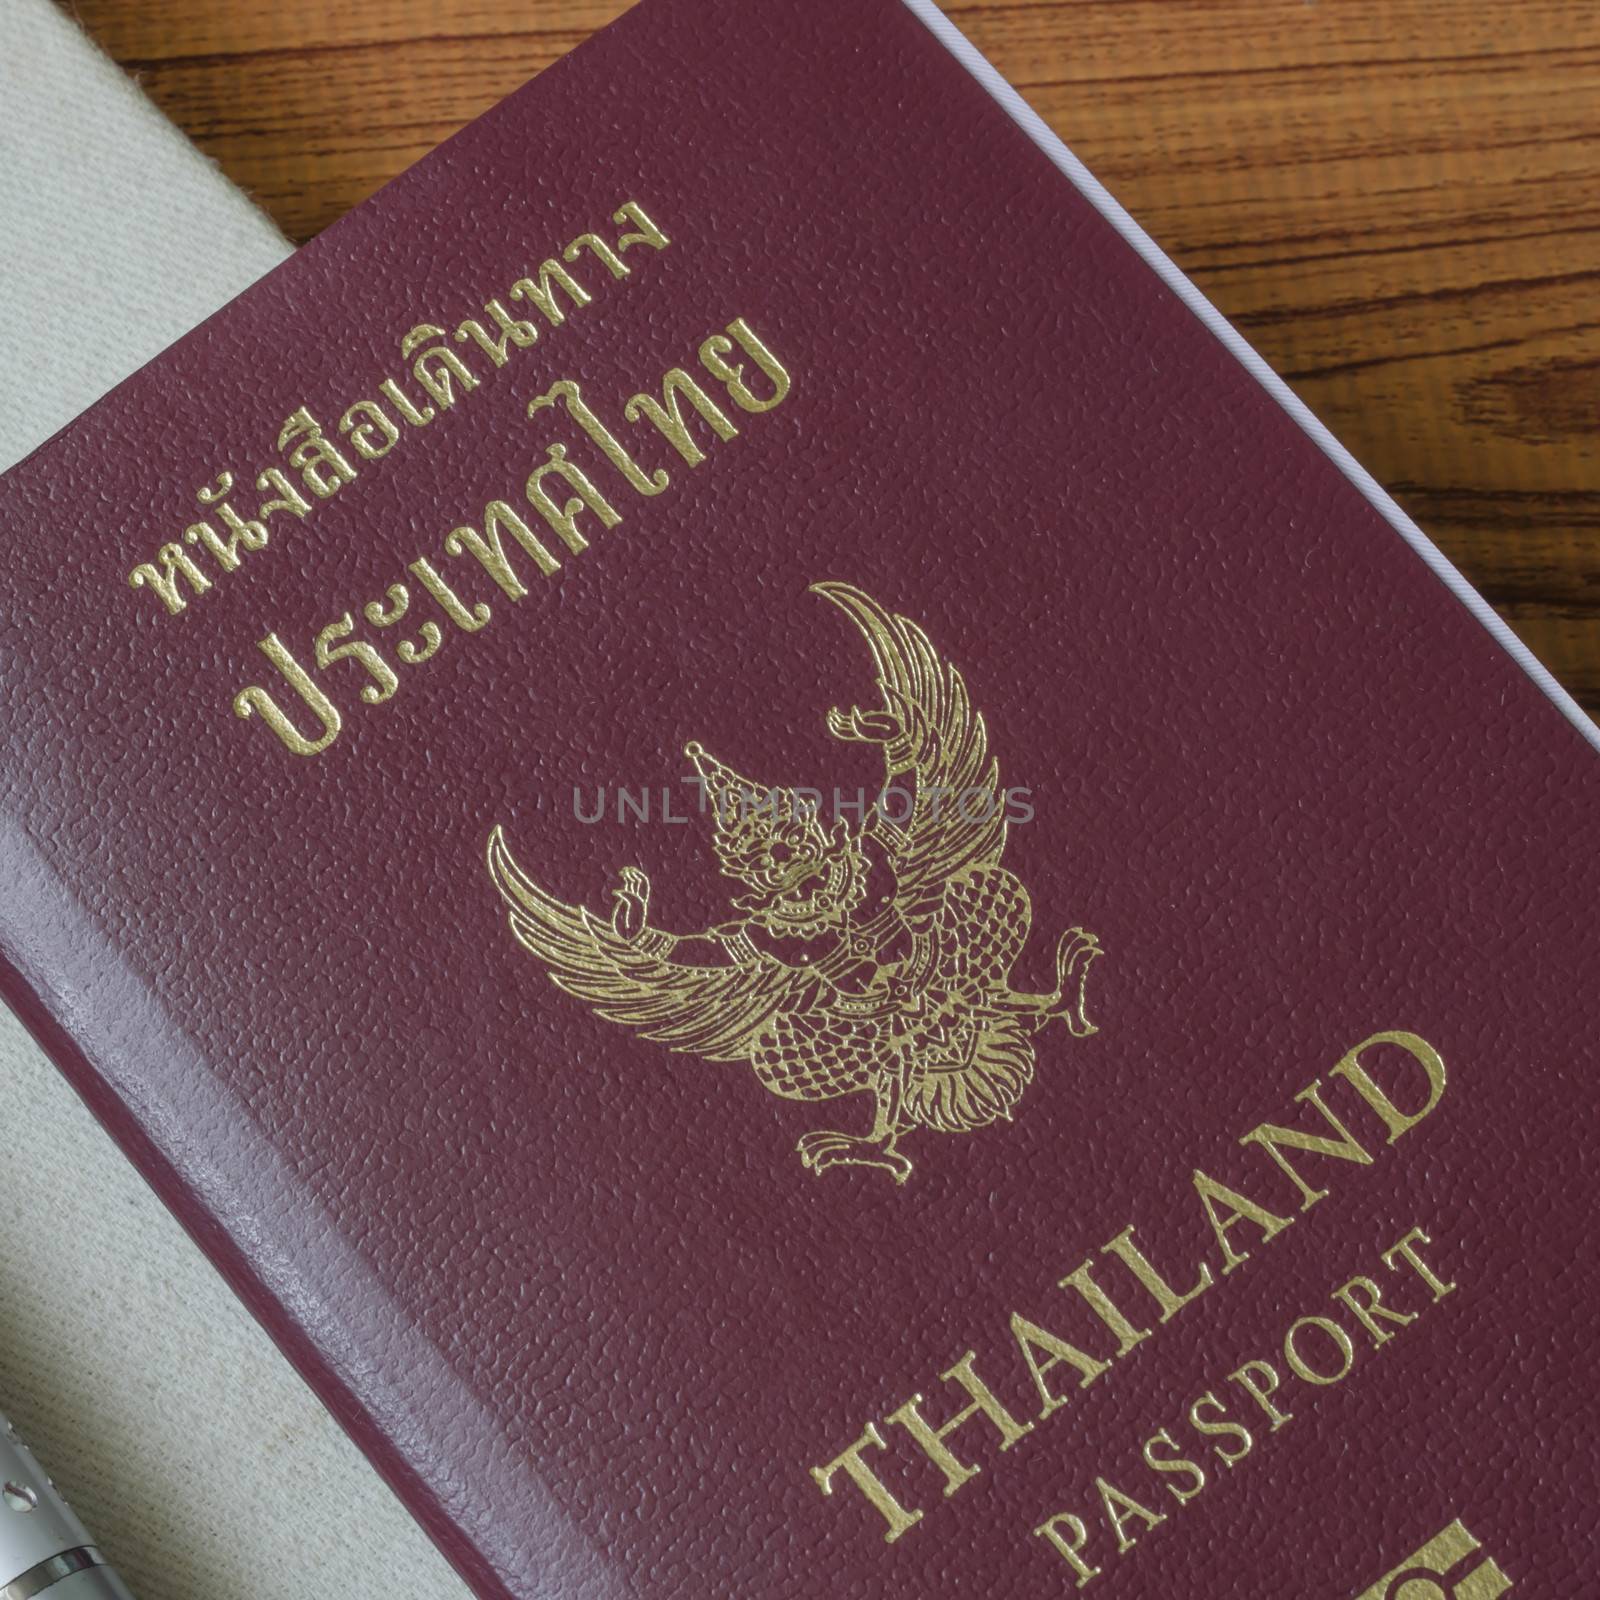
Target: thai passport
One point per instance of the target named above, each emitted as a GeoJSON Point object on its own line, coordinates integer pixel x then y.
{"type": "Point", "coordinates": [805, 890]}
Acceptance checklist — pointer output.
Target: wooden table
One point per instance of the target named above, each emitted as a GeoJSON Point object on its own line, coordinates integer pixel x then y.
{"type": "Point", "coordinates": [1397, 200]}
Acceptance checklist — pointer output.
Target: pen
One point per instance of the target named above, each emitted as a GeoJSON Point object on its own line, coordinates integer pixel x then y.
{"type": "Point", "coordinates": [44, 1549]}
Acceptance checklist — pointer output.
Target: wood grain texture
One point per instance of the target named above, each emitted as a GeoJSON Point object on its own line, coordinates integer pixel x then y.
{"type": "Point", "coordinates": [1398, 201]}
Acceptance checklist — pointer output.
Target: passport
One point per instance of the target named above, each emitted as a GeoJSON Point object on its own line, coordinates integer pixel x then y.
{"type": "Point", "coordinates": [809, 895]}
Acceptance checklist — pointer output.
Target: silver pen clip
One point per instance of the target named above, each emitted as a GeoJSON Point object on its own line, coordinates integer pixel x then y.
{"type": "Point", "coordinates": [44, 1549]}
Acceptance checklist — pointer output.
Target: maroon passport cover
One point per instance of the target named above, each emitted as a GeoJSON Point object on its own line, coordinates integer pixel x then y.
{"type": "Point", "coordinates": [1146, 1148]}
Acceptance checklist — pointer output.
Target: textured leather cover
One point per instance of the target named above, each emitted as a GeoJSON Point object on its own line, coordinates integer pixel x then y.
{"type": "Point", "coordinates": [575, 1291]}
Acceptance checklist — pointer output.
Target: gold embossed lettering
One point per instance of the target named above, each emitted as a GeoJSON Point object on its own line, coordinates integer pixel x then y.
{"type": "Point", "coordinates": [668, 417]}
{"type": "Point", "coordinates": [1165, 1296]}
{"type": "Point", "coordinates": [386, 616]}
{"type": "Point", "coordinates": [330, 649]}
{"type": "Point", "coordinates": [1220, 1429]}
{"type": "Point", "coordinates": [1105, 1309]}
{"type": "Point", "coordinates": [1272, 1138]}
{"type": "Point", "coordinates": [1301, 1367]}
{"type": "Point", "coordinates": [489, 551]}
{"type": "Point", "coordinates": [244, 533]}
{"type": "Point", "coordinates": [437, 367]}
{"type": "Point", "coordinates": [167, 576]}
{"type": "Point", "coordinates": [256, 701]}
{"type": "Point", "coordinates": [648, 484]}
{"type": "Point", "coordinates": [1398, 1122]}
{"type": "Point", "coordinates": [1239, 1209]}
{"type": "Point", "coordinates": [1260, 1380]}
{"type": "Point", "coordinates": [1070, 1538]}
{"type": "Point", "coordinates": [512, 332]}
{"type": "Point", "coordinates": [1173, 1463]}
{"type": "Point", "coordinates": [1364, 1298]}
{"type": "Point", "coordinates": [602, 252]}
{"type": "Point", "coordinates": [469, 619]}
{"type": "Point", "coordinates": [564, 517]}
{"type": "Point", "coordinates": [646, 232]}
{"type": "Point", "coordinates": [1120, 1510]}
{"type": "Point", "coordinates": [442, 374]}
{"type": "Point", "coordinates": [371, 430]}
{"type": "Point", "coordinates": [1406, 1249]}
{"type": "Point", "coordinates": [1032, 1339]}
{"type": "Point", "coordinates": [872, 1487]}
{"type": "Point", "coordinates": [931, 1440]}
{"type": "Point", "coordinates": [714, 355]}
{"type": "Point", "coordinates": [545, 292]}
{"type": "Point", "coordinates": [323, 467]}
{"type": "Point", "coordinates": [418, 418]}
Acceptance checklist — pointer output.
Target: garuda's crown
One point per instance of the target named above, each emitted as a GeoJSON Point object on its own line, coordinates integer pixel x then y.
{"type": "Point", "coordinates": [749, 816]}
{"type": "Point", "coordinates": [803, 875]}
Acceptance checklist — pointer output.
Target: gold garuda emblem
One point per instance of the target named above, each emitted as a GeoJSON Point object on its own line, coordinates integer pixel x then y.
{"type": "Point", "coordinates": [871, 956]}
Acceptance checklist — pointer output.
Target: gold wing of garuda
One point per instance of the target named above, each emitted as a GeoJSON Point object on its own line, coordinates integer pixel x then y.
{"type": "Point", "coordinates": [717, 1012]}
{"type": "Point", "coordinates": [957, 816]}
